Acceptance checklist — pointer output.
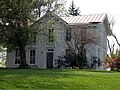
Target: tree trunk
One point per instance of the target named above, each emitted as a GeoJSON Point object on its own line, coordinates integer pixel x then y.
{"type": "Point", "coordinates": [21, 44]}
{"type": "Point", "coordinates": [23, 63]}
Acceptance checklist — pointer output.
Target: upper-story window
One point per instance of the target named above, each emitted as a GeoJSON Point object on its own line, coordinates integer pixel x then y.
{"type": "Point", "coordinates": [68, 34]}
{"type": "Point", "coordinates": [83, 34]}
{"type": "Point", "coordinates": [51, 35]}
{"type": "Point", "coordinates": [32, 37]}
{"type": "Point", "coordinates": [17, 56]}
{"type": "Point", "coordinates": [32, 56]}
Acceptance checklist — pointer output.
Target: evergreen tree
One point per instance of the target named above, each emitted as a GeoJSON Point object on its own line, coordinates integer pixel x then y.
{"type": "Point", "coordinates": [73, 10]}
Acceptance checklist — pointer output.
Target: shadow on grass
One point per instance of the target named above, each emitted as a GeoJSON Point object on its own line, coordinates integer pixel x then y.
{"type": "Point", "coordinates": [101, 71]}
{"type": "Point", "coordinates": [39, 72]}
{"type": "Point", "coordinates": [52, 79]}
{"type": "Point", "coordinates": [39, 78]}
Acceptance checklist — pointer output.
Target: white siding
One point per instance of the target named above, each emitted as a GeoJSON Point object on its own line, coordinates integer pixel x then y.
{"type": "Point", "coordinates": [41, 46]}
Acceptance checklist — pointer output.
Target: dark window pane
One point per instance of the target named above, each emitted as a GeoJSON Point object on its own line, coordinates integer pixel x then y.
{"type": "Point", "coordinates": [17, 56]}
{"type": "Point", "coordinates": [68, 34]}
{"type": "Point", "coordinates": [32, 56]}
{"type": "Point", "coordinates": [51, 35]}
{"type": "Point", "coordinates": [50, 50]}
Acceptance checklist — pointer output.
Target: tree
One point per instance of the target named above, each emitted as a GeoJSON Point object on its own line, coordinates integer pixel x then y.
{"type": "Point", "coordinates": [77, 41]}
{"type": "Point", "coordinates": [113, 58]}
{"type": "Point", "coordinates": [112, 61]}
{"type": "Point", "coordinates": [73, 10]}
{"type": "Point", "coordinates": [16, 18]}
{"type": "Point", "coordinates": [56, 6]}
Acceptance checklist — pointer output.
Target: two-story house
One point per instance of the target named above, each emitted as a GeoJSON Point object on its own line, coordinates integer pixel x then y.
{"type": "Point", "coordinates": [50, 41]}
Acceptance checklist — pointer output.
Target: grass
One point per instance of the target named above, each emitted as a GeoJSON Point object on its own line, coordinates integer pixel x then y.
{"type": "Point", "coordinates": [43, 79]}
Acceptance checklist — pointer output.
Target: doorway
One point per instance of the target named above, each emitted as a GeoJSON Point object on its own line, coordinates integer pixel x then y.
{"type": "Point", "coordinates": [49, 60]}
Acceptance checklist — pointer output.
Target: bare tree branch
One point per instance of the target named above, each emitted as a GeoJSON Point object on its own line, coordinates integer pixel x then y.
{"type": "Point", "coordinates": [109, 45]}
{"type": "Point", "coordinates": [116, 39]}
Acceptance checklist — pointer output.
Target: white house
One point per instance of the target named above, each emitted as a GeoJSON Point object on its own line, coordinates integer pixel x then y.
{"type": "Point", "coordinates": [51, 39]}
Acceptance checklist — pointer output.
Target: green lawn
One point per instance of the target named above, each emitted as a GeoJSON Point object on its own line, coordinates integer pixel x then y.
{"type": "Point", "coordinates": [41, 79]}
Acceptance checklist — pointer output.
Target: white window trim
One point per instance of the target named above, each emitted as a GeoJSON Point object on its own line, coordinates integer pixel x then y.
{"type": "Point", "coordinates": [15, 58]}
{"type": "Point", "coordinates": [29, 56]}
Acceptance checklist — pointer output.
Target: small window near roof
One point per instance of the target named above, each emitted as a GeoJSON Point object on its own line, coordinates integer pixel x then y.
{"type": "Point", "coordinates": [68, 34]}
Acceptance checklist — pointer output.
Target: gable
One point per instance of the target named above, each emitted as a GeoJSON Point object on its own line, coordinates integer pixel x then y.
{"type": "Point", "coordinates": [47, 21]}
{"type": "Point", "coordinates": [51, 16]}
{"type": "Point", "coordinates": [107, 26]}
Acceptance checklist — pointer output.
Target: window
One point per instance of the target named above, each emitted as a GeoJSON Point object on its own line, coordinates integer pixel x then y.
{"type": "Point", "coordinates": [68, 54]}
{"type": "Point", "coordinates": [17, 56]}
{"type": "Point", "coordinates": [51, 35]}
{"type": "Point", "coordinates": [32, 56]}
{"type": "Point", "coordinates": [50, 50]}
{"type": "Point", "coordinates": [83, 35]}
{"type": "Point", "coordinates": [68, 51]}
{"type": "Point", "coordinates": [32, 36]}
{"type": "Point", "coordinates": [68, 34]}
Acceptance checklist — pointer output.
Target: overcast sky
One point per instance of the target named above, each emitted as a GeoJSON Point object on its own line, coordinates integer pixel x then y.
{"type": "Point", "coordinates": [111, 7]}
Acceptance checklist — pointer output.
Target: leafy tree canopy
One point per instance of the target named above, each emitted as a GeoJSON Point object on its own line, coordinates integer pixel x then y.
{"type": "Point", "coordinates": [56, 6]}
{"type": "Point", "coordinates": [16, 17]}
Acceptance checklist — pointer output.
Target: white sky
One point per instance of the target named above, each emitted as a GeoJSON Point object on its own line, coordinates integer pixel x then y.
{"type": "Point", "coordinates": [111, 7]}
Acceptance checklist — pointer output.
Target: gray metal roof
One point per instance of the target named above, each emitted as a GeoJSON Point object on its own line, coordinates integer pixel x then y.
{"type": "Point", "coordinates": [84, 19]}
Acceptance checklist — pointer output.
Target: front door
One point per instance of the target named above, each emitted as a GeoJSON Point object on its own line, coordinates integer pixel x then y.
{"type": "Point", "coordinates": [50, 60]}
